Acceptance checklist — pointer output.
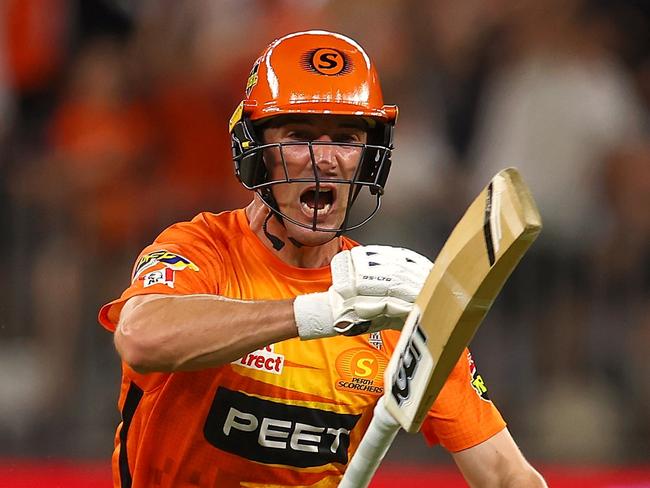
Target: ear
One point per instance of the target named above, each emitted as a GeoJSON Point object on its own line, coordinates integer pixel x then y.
{"type": "Point", "coordinates": [247, 156]}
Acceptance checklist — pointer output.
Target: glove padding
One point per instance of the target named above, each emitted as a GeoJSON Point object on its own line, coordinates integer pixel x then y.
{"type": "Point", "coordinates": [373, 288]}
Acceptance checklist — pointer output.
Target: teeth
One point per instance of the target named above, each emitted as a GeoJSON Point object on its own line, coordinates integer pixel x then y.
{"type": "Point", "coordinates": [310, 210]}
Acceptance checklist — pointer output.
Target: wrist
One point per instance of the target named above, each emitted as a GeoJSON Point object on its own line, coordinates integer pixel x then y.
{"type": "Point", "coordinates": [313, 316]}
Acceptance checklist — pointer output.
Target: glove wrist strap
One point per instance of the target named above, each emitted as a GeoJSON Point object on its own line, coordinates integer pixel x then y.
{"type": "Point", "coordinates": [313, 316]}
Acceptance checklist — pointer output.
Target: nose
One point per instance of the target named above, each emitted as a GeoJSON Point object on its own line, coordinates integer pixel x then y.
{"type": "Point", "coordinates": [325, 155]}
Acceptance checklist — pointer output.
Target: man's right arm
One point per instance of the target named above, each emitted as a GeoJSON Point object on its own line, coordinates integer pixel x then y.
{"type": "Point", "coordinates": [164, 333]}
{"type": "Point", "coordinates": [373, 288]}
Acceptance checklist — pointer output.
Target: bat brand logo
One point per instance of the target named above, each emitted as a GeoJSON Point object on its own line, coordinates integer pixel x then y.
{"type": "Point", "coordinates": [327, 61]}
{"type": "Point", "coordinates": [408, 364]}
{"type": "Point", "coordinates": [277, 433]}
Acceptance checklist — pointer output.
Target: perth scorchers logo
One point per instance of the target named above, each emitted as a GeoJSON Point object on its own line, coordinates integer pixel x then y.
{"type": "Point", "coordinates": [327, 61]}
{"type": "Point", "coordinates": [361, 370]}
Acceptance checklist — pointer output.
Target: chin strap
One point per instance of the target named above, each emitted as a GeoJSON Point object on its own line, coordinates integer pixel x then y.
{"type": "Point", "coordinates": [276, 242]}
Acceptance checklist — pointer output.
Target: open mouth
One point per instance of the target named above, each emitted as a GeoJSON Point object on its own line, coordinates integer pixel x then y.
{"type": "Point", "coordinates": [319, 201]}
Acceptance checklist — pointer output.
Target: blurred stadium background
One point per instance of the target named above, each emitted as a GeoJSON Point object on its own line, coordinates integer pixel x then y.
{"type": "Point", "coordinates": [113, 124]}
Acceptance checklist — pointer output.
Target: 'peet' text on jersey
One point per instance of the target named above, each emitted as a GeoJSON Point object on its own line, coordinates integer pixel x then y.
{"type": "Point", "coordinates": [277, 433]}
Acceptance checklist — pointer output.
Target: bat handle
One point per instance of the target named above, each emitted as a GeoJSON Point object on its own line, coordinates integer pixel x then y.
{"type": "Point", "coordinates": [372, 449]}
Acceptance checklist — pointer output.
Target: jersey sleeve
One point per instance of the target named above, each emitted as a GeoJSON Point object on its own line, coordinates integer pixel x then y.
{"type": "Point", "coordinates": [463, 415]}
{"type": "Point", "coordinates": [179, 262]}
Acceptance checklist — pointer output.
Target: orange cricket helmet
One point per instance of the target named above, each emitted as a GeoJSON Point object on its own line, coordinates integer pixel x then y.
{"type": "Point", "coordinates": [313, 72]}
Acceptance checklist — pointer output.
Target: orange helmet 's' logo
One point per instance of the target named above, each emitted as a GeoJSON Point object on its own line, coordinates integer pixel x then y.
{"type": "Point", "coordinates": [327, 61]}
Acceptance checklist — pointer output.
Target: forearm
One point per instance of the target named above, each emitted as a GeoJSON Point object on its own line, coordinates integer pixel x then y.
{"type": "Point", "coordinates": [183, 333]}
{"type": "Point", "coordinates": [523, 476]}
{"type": "Point", "coordinates": [497, 462]}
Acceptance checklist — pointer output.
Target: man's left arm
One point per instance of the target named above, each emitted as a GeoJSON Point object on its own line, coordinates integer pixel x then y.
{"type": "Point", "coordinates": [497, 462]}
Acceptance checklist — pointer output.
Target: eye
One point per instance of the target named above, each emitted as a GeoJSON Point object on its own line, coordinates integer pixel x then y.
{"type": "Point", "coordinates": [348, 137]}
{"type": "Point", "coordinates": [299, 135]}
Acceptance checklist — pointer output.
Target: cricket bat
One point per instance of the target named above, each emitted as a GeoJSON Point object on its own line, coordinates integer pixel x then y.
{"type": "Point", "coordinates": [470, 270]}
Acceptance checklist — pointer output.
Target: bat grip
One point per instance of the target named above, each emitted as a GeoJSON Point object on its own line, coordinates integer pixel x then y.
{"type": "Point", "coordinates": [372, 449]}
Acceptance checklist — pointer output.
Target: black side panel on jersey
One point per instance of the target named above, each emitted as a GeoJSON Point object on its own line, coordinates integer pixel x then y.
{"type": "Point", "coordinates": [133, 397]}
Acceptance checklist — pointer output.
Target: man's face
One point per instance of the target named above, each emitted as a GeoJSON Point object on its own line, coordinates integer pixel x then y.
{"type": "Point", "coordinates": [300, 200]}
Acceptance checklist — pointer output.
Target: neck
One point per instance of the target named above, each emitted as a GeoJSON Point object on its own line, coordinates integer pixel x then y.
{"type": "Point", "coordinates": [302, 257]}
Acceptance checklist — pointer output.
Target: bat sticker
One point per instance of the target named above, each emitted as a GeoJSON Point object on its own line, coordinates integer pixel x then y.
{"type": "Point", "coordinates": [487, 227]}
{"type": "Point", "coordinates": [408, 364]}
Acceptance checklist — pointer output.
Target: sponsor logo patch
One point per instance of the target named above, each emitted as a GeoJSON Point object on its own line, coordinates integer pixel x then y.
{"type": "Point", "coordinates": [264, 359]}
{"type": "Point", "coordinates": [276, 433]}
{"type": "Point", "coordinates": [477, 380]}
{"type": "Point", "coordinates": [253, 77]}
{"type": "Point", "coordinates": [161, 276]}
{"type": "Point", "coordinates": [375, 340]}
{"type": "Point", "coordinates": [361, 370]}
{"type": "Point", "coordinates": [171, 260]}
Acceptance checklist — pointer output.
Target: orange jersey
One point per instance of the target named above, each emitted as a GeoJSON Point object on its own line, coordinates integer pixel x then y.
{"type": "Point", "coordinates": [289, 414]}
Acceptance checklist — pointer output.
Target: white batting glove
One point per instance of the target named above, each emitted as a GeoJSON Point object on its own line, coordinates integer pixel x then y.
{"type": "Point", "coordinates": [373, 288]}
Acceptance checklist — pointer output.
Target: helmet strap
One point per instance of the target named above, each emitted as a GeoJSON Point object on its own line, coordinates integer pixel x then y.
{"type": "Point", "coordinates": [275, 241]}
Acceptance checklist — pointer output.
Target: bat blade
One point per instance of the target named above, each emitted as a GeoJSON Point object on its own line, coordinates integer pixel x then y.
{"type": "Point", "coordinates": [470, 270]}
